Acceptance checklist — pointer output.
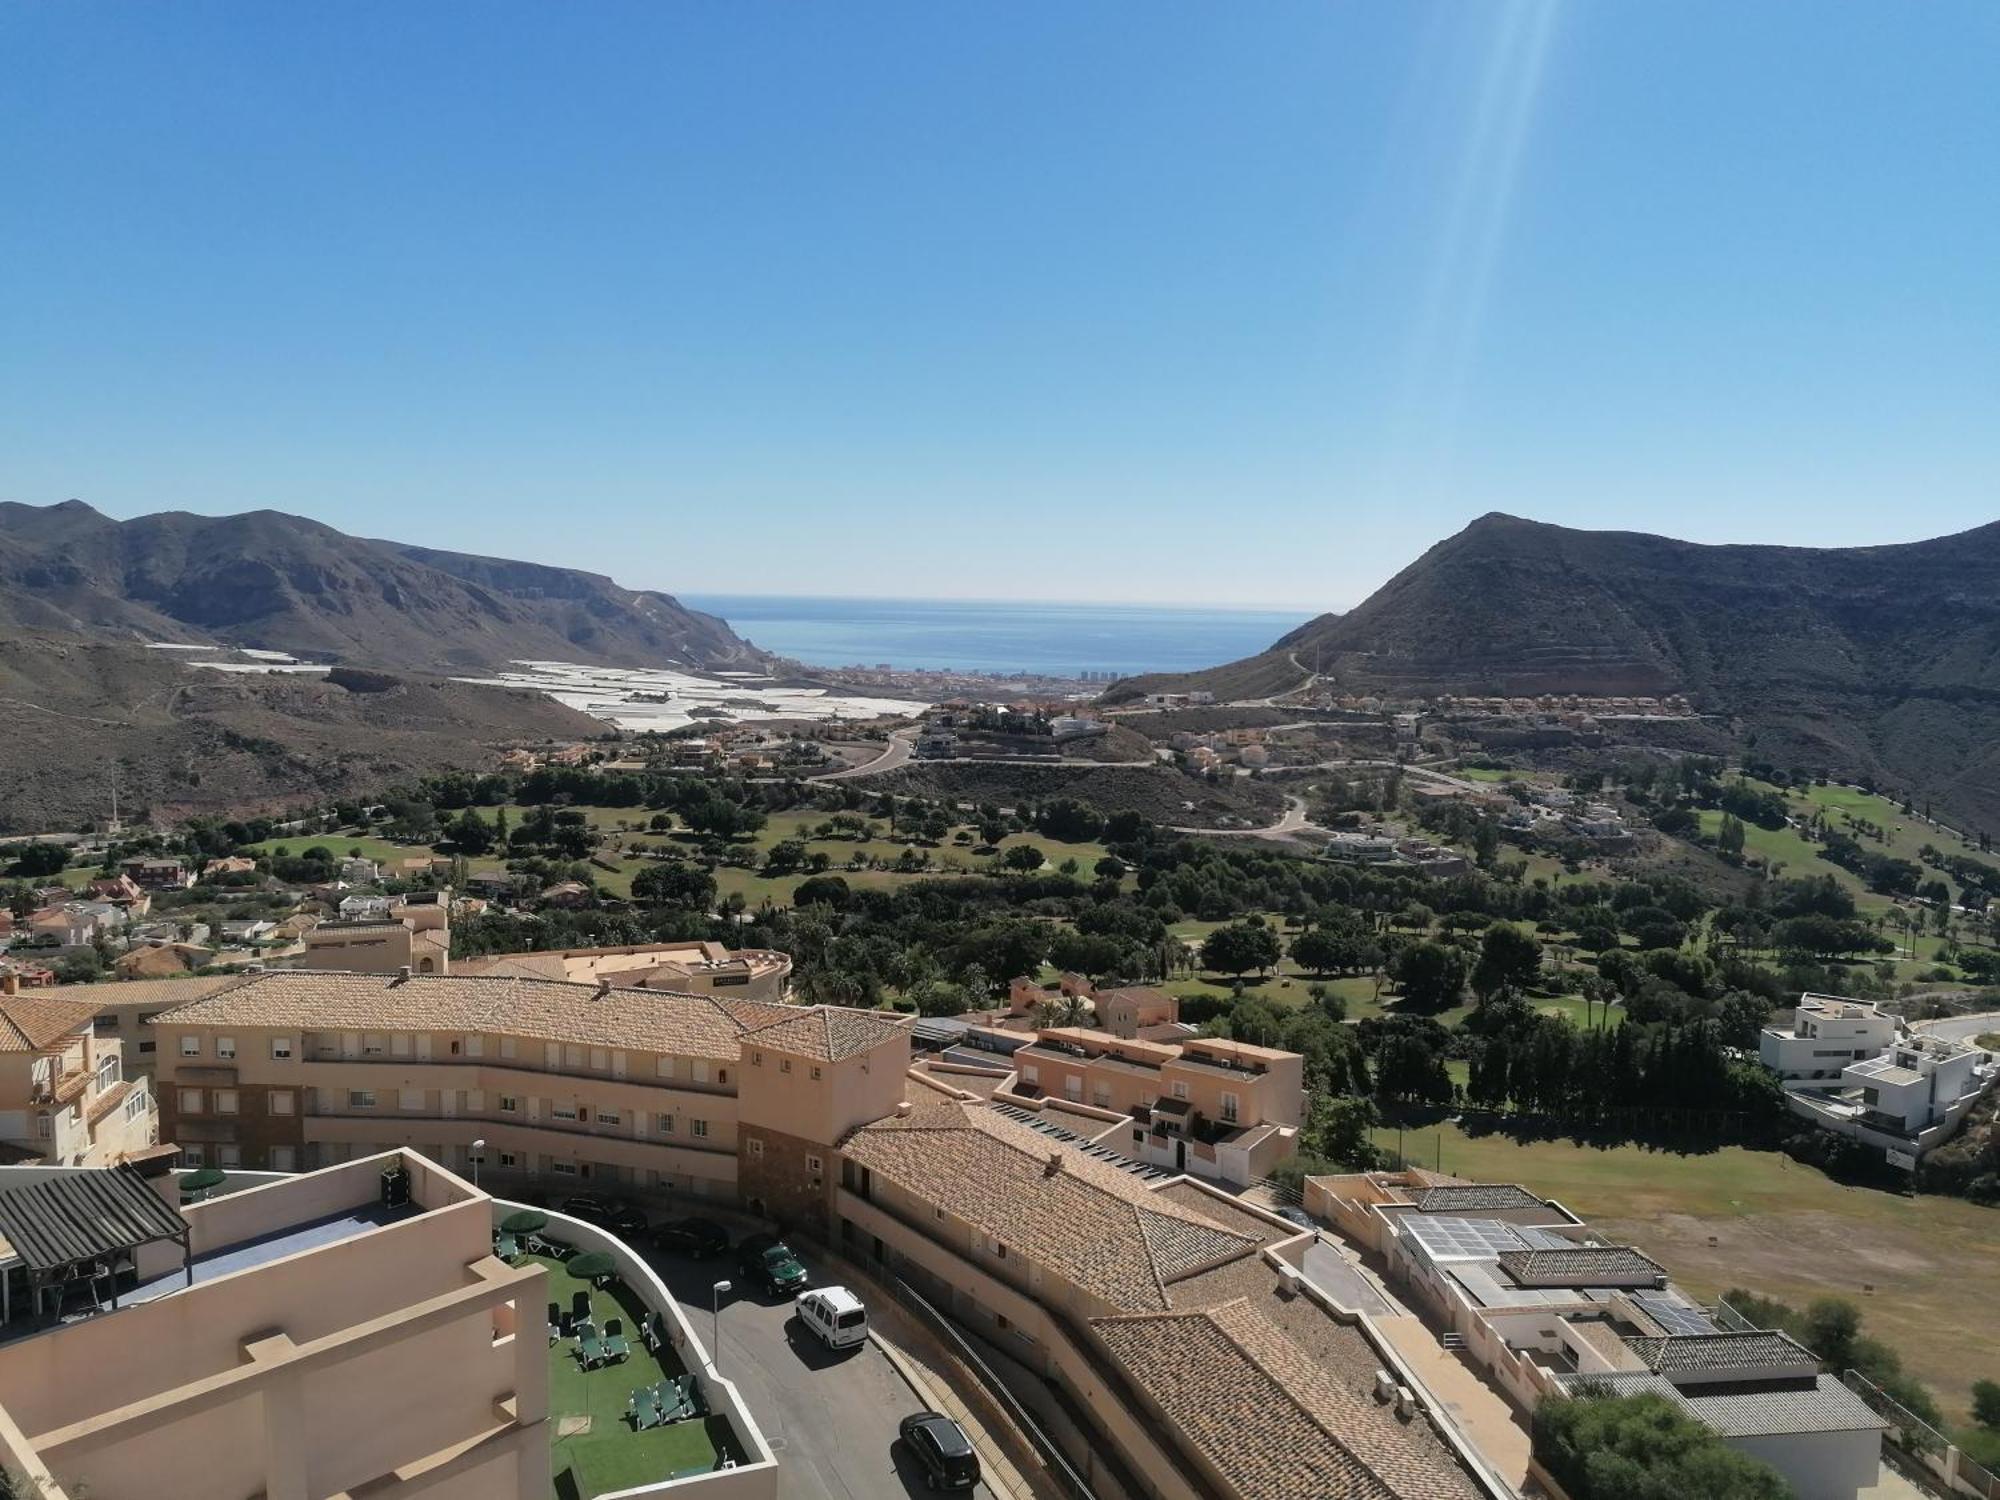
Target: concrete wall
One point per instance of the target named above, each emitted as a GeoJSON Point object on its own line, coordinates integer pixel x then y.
{"type": "Point", "coordinates": [1819, 1465]}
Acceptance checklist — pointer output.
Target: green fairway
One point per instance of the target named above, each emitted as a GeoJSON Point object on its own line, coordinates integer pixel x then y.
{"type": "Point", "coordinates": [596, 1450]}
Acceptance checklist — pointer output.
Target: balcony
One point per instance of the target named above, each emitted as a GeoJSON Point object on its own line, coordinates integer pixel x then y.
{"type": "Point", "coordinates": [313, 1053]}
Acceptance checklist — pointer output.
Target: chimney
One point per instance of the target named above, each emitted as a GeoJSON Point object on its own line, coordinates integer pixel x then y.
{"type": "Point", "coordinates": [1055, 1166]}
{"type": "Point", "coordinates": [11, 984]}
{"type": "Point", "coordinates": [603, 988]}
{"type": "Point", "coordinates": [402, 975]}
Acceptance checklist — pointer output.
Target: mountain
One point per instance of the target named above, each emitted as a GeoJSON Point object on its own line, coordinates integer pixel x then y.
{"type": "Point", "coordinates": [284, 583]}
{"type": "Point", "coordinates": [1856, 660]}
{"type": "Point", "coordinates": [178, 739]}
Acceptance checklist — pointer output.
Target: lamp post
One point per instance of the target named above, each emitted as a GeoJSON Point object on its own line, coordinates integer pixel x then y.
{"type": "Point", "coordinates": [715, 1324]}
{"type": "Point", "coordinates": [478, 1154]}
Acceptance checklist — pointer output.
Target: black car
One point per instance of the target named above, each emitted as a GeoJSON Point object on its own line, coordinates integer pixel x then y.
{"type": "Point", "coordinates": [942, 1450]}
{"type": "Point", "coordinates": [765, 1261]}
{"type": "Point", "coordinates": [696, 1238]}
{"type": "Point", "coordinates": [614, 1214]}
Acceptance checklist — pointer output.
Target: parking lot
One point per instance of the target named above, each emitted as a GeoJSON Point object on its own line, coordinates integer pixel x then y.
{"type": "Point", "coordinates": [830, 1418]}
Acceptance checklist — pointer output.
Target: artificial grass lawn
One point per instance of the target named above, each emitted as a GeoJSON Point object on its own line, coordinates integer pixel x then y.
{"type": "Point", "coordinates": [611, 1456]}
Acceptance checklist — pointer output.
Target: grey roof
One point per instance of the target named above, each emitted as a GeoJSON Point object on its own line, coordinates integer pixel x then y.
{"type": "Point", "coordinates": [85, 1216]}
{"type": "Point", "coordinates": [1690, 1353]}
{"type": "Point", "coordinates": [1467, 1197]}
{"type": "Point", "coordinates": [1584, 1265]}
{"type": "Point", "coordinates": [1824, 1406]}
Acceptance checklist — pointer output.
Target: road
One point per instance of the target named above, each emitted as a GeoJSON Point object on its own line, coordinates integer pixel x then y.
{"type": "Point", "coordinates": [1960, 1028]}
{"type": "Point", "coordinates": [902, 744]}
{"type": "Point", "coordinates": [1293, 820]}
{"type": "Point", "coordinates": [830, 1418]}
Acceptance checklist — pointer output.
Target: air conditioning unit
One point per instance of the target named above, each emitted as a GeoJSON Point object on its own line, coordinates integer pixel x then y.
{"type": "Point", "coordinates": [1406, 1402]}
{"type": "Point", "coordinates": [1385, 1386]}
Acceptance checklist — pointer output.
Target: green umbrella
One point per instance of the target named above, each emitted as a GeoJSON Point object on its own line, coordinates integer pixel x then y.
{"type": "Point", "coordinates": [588, 1265]}
{"type": "Point", "coordinates": [525, 1221]}
{"type": "Point", "coordinates": [202, 1179]}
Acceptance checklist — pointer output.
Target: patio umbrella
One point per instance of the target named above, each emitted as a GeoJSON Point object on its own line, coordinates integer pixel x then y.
{"type": "Point", "coordinates": [525, 1221]}
{"type": "Point", "coordinates": [588, 1265]}
{"type": "Point", "coordinates": [202, 1179]}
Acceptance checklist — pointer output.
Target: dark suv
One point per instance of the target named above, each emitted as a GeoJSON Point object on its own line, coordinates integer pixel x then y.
{"type": "Point", "coordinates": [768, 1263]}
{"type": "Point", "coordinates": [695, 1238]}
{"type": "Point", "coordinates": [942, 1450]}
{"type": "Point", "coordinates": [614, 1214]}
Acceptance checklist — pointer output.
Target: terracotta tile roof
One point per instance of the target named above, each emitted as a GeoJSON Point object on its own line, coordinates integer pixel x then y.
{"type": "Point", "coordinates": [1459, 1198]}
{"type": "Point", "coordinates": [38, 1023]}
{"type": "Point", "coordinates": [1078, 1218]}
{"type": "Point", "coordinates": [174, 991]}
{"type": "Point", "coordinates": [109, 1100]}
{"type": "Point", "coordinates": [1271, 1421]}
{"type": "Point", "coordinates": [537, 1009]}
{"type": "Point", "coordinates": [829, 1033]}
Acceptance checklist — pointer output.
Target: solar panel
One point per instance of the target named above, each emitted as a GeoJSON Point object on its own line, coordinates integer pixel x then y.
{"type": "Point", "coordinates": [1674, 1317]}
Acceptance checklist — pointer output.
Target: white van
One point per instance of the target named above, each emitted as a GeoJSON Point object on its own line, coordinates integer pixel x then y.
{"type": "Point", "coordinates": [834, 1314]}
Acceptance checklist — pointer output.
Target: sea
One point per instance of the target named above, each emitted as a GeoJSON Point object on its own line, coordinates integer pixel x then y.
{"type": "Point", "coordinates": [1058, 640]}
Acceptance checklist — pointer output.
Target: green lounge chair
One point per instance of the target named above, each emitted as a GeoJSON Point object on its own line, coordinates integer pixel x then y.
{"type": "Point", "coordinates": [615, 1345]}
{"type": "Point", "coordinates": [643, 1408]}
{"type": "Point", "coordinates": [507, 1247]}
{"type": "Point", "coordinates": [590, 1349]}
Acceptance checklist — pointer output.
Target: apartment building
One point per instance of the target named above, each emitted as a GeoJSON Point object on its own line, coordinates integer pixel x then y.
{"type": "Point", "coordinates": [290, 1069]}
{"type": "Point", "coordinates": [692, 967]}
{"type": "Point", "coordinates": [1174, 1319]}
{"type": "Point", "coordinates": [298, 1339]}
{"type": "Point", "coordinates": [1546, 1306]}
{"type": "Point", "coordinates": [1218, 1109]}
{"type": "Point", "coordinates": [64, 1096]}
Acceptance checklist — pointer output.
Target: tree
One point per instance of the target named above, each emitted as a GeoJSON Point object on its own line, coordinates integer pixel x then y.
{"type": "Point", "coordinates": [32, 861]}
{"type": "Point", "coordinates": [1337, 1129]}
{"type": "Point", "coordinates": [1024, 858]}
{"type": "Point", "coordinates": [1430, 975]}
{"type": "Point", "coordinates": [1986, 1403]}
{"type": "Point", "coordinates": [469, 833]}
{"type": "Point", "coordinates": [820, 890]}
{"type": "Point", "coordinates": [1240, 947]}
{"type": "Point", "coordinates": [675, 884]}
{"type": "Point", "coordinates": [1509, 961]}
{"type": "Point", "coordinates": [1602, 1447]}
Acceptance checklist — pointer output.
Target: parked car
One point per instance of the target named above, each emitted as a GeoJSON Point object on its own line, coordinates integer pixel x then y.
{"type": "Point", "coordinates": [696, 1238]}
{"type": "Point", "coordinates": [767, 1262]}
{"type": "Point", "coordinates": [942, 1450]}
{"type": "Point", "coordinates": [835, 1315]}
{"type": "Point", "coordinates": [614, 1214]}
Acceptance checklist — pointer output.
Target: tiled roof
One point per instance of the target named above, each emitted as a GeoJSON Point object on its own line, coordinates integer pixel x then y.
{"type": "Point", "coordinates": [1079, 1218]}
{"type": "Point", "coordinates": [1275, 1424]}
{"type": "Point", "coordinates": [1474, 1196]}
{"type": "Point", "coordinates": [829, 1033]}
{"type": "Point", "coordinates": [538, 1009]}
{"type": "Point", "coordinates": [38, 1022]}
{"type": "Point", "coordinates": [1690, 1353]}
{"type": "Point", "coordinates": [174, 991]}
{"type": "Point", "coordinates": [1587, 1265]}
{"type": "Point", "coordinates": [1824, 1406]}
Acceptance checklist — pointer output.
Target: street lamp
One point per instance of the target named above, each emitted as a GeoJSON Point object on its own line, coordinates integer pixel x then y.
{"type": "Point", "coordinates": [715, 1324]}
{"type": "Point", "coordinates": [478, 1152]}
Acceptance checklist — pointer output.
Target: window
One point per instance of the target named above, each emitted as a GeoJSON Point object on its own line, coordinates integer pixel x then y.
{"type": "Point", "coordinates": [190, 1101]}
{"type": "Point", "coordinates": [509, 1104]}
{"type": "Point", "coordinates": [572, 1057]}
{"type": "Point", "coordinates": [104, 1025]}
{"type": "Point", "coordinates": [609, 1117]}
{"type": "Point", "coordinates": [107, 1071]}
{"type": "Point", "coordinates": [756, 1148]}
{"type": "Point", "coordinates": [1100, 1095]}
{"type": "Point", "coordinates": [228, 1156]}
{"type": "Point", "coordinates": [281, 1049]}
{"type": "Point", "coordinates": [562, 1111]}
{"type": "Point", "coordinates": [45, 1126]}
{"type": "Point", "coordinates": [663, 1067]}
{"type": "Point", "coordinates": [373, 1044]}
{"type": "Point", "coordinates": [475, 1046]}
{"type": "Point", "coordinates": [508, 1159]}
{"type": "Point", "coordinates": [410, 1101]}
{"type": "Point", "coordinates": [664, 1124]}
{"type": "Point", "coordinates": [1231, 1106]}
{"type": "Point", "coordinates": [1180, 1089]}
{"type": "Point", "coordinates": [600, 1060]}
{"type": "Point", "coordinates": [190, 1046]}
{"type": "Point", "coordinates": [135, 1106]}
{"type": "Point", "coordinates": [225, 1048]}
{"type": "Point", "coordinates": [563, 1168]}
{"type": "Point", "coordinates": [193, 1156]}
{"type": "Point", "coordinates": [148, 1046]}
{"type": "Point", "coordinates": [784, 1065]}
{"type": "Point", "coordinates": [1031, 1074]}
{"type": "Point", "coordinates": [815, 1070]}
{"type": "Point", "coordinates": [361, 1098]}
{"type": "Point", "coordinates": [698, 1070]}
{"type": "Point", "coordinates": [722, 1075]}
{"type": "Point", "coordinates": [756, 1059]}
{"type": "Point", "coordinates": [280, 1101]}
{"type": "Point", "coordinates": [814, 1165]}
{"type": "Point", "coordinates": [698, 1128]}
{"type": "Point", "coordinates": [399, 1045]}
{"type": "Point", "coordinates": [506, 1046]}
{"type": "Point", "coordinates": [284, 1159]}
{"type": "Point", "coordinates": [225, 1101]}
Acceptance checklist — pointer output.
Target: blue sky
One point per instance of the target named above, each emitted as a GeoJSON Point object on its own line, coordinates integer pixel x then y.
{"type": "Point", "coordinates": [1154, 301]}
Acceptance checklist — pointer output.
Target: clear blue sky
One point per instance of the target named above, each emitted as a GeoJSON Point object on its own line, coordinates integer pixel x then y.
{"type": "Point", "coordinates": [1149, 301]}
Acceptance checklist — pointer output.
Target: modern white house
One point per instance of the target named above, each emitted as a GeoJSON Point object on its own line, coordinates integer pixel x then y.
{"type": "Point", "coordinates": [1847, 1066]}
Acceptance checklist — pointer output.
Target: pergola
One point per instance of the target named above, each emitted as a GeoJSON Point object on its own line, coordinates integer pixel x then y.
{"type": "Point", "coordinates": [79, 1226]}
